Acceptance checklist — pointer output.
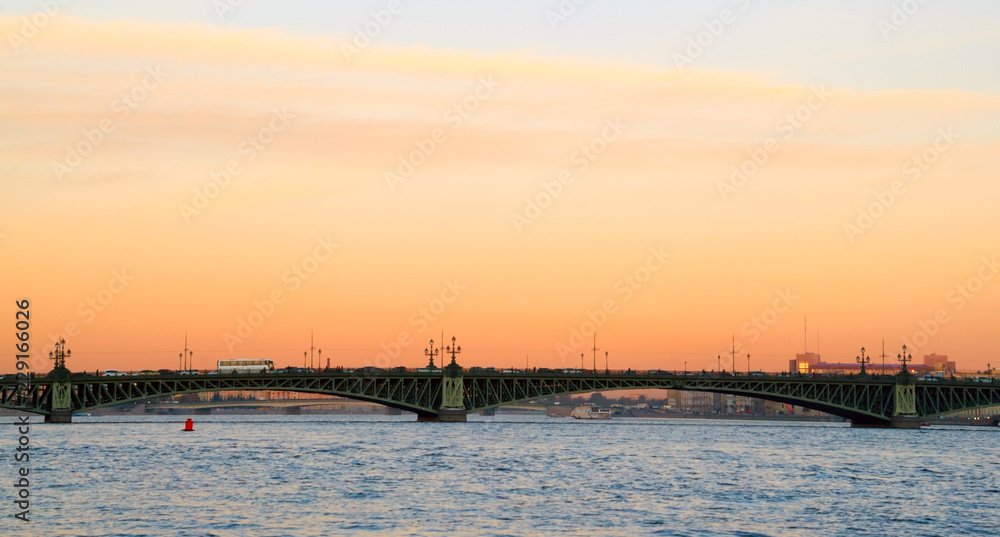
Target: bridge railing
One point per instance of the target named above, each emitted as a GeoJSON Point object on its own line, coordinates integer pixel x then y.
{"type": "Point", "coordinates": [971, 378]}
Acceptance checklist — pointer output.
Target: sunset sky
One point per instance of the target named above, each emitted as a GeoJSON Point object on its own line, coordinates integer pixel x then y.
{"type": "Point", "coordinates": [511, 173]}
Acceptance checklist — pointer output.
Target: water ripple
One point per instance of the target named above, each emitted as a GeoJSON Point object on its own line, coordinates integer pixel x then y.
{"type": "Point", "coordinates": [320, 475]}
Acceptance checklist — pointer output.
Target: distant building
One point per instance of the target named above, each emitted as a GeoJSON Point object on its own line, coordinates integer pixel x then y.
{"type": "Point", "coordinates": [939, 363]}
{"type": "Point", "coordinates": [699, 402]}
{"type": "Point", "coordinates": [809, 363]}
{"type": "Point", "coordinates": [803, 363]}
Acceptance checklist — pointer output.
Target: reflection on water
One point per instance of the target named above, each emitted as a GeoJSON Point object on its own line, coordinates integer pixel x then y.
{"type": "Point", "coordinates": [344, 475]}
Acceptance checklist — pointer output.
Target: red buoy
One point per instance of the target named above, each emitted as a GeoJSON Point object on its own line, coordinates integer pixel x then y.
{"type": "Point", "coordinates": [188, 425]}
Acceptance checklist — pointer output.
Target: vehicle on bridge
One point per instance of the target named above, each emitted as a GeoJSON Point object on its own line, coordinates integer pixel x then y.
{"type": "Point", "coordinates": [114, 373]}
{"type": "Point", "coordinates": [245, 366]}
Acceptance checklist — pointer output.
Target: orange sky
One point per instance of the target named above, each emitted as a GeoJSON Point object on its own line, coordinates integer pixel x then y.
{"type": "Point", "coordinates": [120, 255]}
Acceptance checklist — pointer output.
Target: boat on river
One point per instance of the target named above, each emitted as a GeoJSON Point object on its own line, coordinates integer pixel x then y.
{"type": "Point", "coordinates": [591, 412]}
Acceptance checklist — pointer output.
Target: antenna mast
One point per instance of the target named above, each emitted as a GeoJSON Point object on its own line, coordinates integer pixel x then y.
{"type": "Point", "coordinates": [312, 347]}
{"type": "Point", "coordinates": [883, 356]}
{"type": "Point", "coordinates": [595, 351]}
{"type": "Point", "coordinates": [734, 354]}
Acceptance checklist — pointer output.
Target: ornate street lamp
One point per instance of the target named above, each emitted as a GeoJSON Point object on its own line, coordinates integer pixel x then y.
{"type": "Point", "coordinates": [863, 360]}
{"type": "Point", "coordinates": [904, 359]}
{"type": "Point", "coordinates": [453, 349]}
{"type": "Point", "coordinates": [430, 354]}
{"type": "Point", "coordinates": [60, 354]}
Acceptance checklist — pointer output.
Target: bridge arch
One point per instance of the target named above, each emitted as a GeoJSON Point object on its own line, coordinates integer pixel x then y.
{"type": "Point", "coordinates": [306, 402]}
{"type": "Point", "coordinates": [868, 403]}
{"type": "Point", "coordinates": [854, 415]}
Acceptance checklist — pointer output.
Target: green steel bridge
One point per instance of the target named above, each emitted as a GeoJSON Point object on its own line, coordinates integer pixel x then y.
{"type": "Point", "coordinates": [899, 401]}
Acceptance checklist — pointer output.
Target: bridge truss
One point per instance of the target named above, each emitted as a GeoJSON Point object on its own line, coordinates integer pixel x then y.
{"type": "Point", "coordinates": [863, 399]}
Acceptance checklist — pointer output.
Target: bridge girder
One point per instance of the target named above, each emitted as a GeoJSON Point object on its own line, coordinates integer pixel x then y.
{"type": "Point", "coordinates": [865, 400]}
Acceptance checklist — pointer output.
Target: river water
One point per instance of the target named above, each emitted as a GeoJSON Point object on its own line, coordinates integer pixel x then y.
{"type": "Point", "coordinates": [389, 475]}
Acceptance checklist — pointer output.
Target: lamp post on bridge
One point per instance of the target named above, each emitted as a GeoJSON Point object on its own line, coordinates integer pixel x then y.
{"type": "Point", "coordinates": [904, 414]}
{"type": "Point", "coordinates": [61, 402]}
{"type": "Point", "coordinates": [59, 355]}
{"type": "Point", "coordinates": [904, 359]}
{"type": "Point", "coordinates": [718, 370]}
{"type": "Point", "coordinates": [453, 349]}
{"type": "Point", "coordinates": [431, 353]}
{"type": "Point", "coordinates": [452, 387]}
{"type": "Point", "coordinates": [748, 364]}
{"type": "Point", "coordinates": [863, 360]}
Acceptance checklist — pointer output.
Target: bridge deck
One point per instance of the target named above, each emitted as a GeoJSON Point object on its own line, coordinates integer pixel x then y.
{"type": "Point", "coordinates": [861, 398]}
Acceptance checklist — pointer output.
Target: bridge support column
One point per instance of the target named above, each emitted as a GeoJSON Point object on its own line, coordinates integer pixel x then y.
{"type": "Point", "coordinates": [392, 411]}
{"type": "Point", "coordinates": [61, 403]}
{"type": "Point", "coordinates": [452, 415]}
{"type": "Point", "coordinates": [904, 415]}
{"type": "Point", "coordinates": [905, 422]}
{"type": "Point", "coordinates": [861, 424]}
{"type": "Point", "coordinates": [293, 410]}
{"type": "Point", "coordinates": [452, 394]}
{"type": "Point", "coordinates": [59, 416]}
